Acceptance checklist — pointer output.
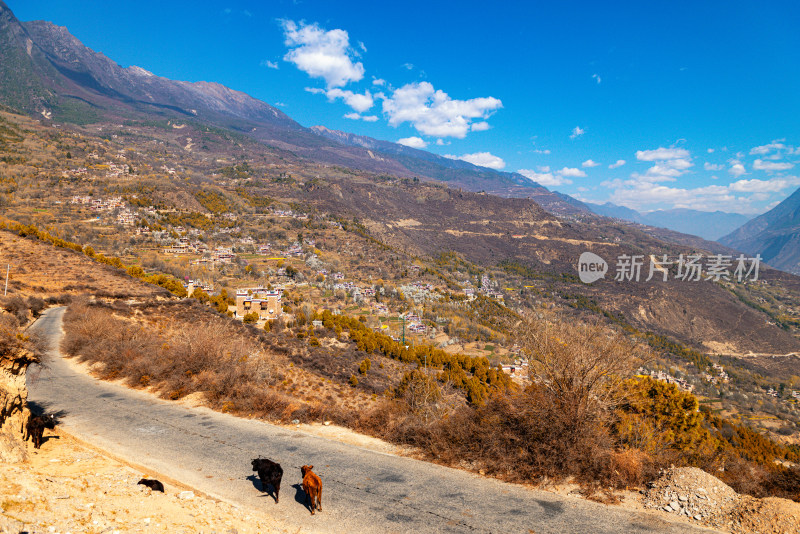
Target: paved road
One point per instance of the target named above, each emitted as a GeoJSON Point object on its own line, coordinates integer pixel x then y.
{"type": "Point", "coordinates": [364, 491]}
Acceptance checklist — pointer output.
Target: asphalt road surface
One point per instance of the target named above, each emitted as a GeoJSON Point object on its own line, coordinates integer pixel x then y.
{"type": "Point", "coordinates": [363, 491]}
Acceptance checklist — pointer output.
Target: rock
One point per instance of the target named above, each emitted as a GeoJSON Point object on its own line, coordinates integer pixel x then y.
{"type": "Point", "coordinates": [186, 495]}
{"type": "Point", "coordinates": [683, 498]}
{"type": "Point", "coordinates": [295, 421]}
{"type": "Point", "coordinates": [327, 423]}
{"type": "Point", "coordinates": [698, 517]}
{"type": "Point", "coordinates": [675, 506]}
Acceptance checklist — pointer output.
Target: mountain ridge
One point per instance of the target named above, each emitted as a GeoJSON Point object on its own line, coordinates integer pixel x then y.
{"type": "Point", "coordinates": [774, 234]}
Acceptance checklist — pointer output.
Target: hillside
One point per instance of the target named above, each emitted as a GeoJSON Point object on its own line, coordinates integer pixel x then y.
{"type": "Point", "coordinates": [775, 235]}
{"type": "Point", "coordinates": [411, 307]}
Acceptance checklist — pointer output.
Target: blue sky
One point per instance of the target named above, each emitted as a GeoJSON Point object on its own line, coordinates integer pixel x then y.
{"type": "Point", "coordinates": [645, 104]}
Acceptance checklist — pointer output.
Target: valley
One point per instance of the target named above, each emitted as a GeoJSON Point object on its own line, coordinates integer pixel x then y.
{"type": "Point", "coordinates": [206, 249]}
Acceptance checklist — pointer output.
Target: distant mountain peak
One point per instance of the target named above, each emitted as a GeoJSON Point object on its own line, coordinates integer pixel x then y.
{"type": "Point", "coordinates": [139, 71]}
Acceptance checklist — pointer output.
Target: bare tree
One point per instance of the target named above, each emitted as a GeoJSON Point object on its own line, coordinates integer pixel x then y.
{"type": "Point", "coordinates": [579, 367]}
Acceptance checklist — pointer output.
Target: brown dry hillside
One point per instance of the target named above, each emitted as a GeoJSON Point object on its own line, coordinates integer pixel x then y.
{"type": "Point", "coordinates": [41, 270]}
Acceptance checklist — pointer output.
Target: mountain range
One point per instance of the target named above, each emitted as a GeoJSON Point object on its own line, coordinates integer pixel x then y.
{"type": "Point", "coordinates": [45, 71]}
{"type": "Point", "coordinates": [705, 224]}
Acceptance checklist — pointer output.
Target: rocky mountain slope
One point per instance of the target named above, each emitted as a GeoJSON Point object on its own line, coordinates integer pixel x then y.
{"type": "Point", "coordinates": [44, 70]}
{"type": "Point", "coordinates": [775, 235]}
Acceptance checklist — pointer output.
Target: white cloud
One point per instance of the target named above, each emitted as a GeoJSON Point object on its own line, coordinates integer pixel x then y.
{"type": "Point", "coordinates": [408, 66]}
{"type": "Point", "coordinates": [481, 159]}
{"type": "Point", "coordinates": [540, 151]}
{"type": "Point", "coordinates": [480, 126]}
{"type": "Point", "coordinates": [546, 179]}
{"type": "Point", "coordinates": [442, 142]}
{"type": "Point", "coordinates": [713, 167]}
{"type": "Point", "coordinates": [774, 146]}
{"type": "Point", "coordinates": [577, 132]}
{"type": "Point", "coordinates": [357, 117]}
{"type": "Point", "coordinates": [669, 164]}
{"type": "Point", "coordinates": [269, 64]}
{"type": "Point", "coordinates": [597, 78]}
{"type": "Point", "coordinates": [737, 169]}
{"type": "Point", "coordinates": [357, 101]}
{"type": "Point", "coordinates": [322, 54]}
{"type": "Point", "coordinates": [760, 165]}
{"type": "Point", "coordinates": [378, 82]}
{"type": "Point", "coordinates": [619, 163]}
{"type": "Point", "coordinates": [710, 150]}
{"type": "Point", "coordinates": [589, 163]}
{"type": "Point", "coordinates": [662, 154]}
{"type": "Point", "coordinates": [572, 172]}
{"type": "Point", "coordinates": [413, 142]}
{"type": "Point", "coordinates": [765, 186]}
{"type": "Point", "coordinates": [433, 112]}
{"type": "Point", "coordinates": [543, 168]}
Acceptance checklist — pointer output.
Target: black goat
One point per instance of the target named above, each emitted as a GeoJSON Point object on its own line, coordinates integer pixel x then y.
{"type": "Point", "coordinates": [153, 484]}
{"type": "Point", "coordinates": [35, 428]}
{"type": "Point", "coordinates": [270, 473]}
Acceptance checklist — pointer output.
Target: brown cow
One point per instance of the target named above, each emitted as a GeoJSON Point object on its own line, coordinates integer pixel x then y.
{"type": "Point", "coordinates": [312, 485]}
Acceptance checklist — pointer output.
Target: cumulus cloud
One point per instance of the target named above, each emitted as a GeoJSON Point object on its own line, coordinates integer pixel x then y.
{"type": "Point", "coordinates": [577, 132]}
{"type": "Point", "coordinates": [413, 142]}
{"type": "Point", "coordinates": [269, 64]}
{"type": "Point", "coordinates": [760, 165]}
{"type": "Point", "coordinates": [713, 167]}
{"type": "Point", "coordinates": [480, 126]}
{"type": "Point", "coordinates": [662, 154]}
{"type": "Point", "coordinates": [359, 102]}
{"type": "Point", "coordinates": [765, 186]}
{"type": "Point", "coordinates": [540, 151]}
{"type": "Point", "coordinates": [619, 163]}
{"type": "Point", "coordinates": [378, 81]}
{"type": "Point", "coordinates": [481, 159]}
{"type": "Point", "coordinates": [322, 53]}
{"type": "Point", "coordinates": [572, 172]}
{"type": "Point", "coordinates": [589, 163]}
{"type": "Point", "coordinates": [546, 179]}
{"type": "Point", "coordinates": [669, 164]}
{"type": "Point", "coordinates": [763, 150]}
{"type": "Point", "coordinates": [737, 169]}
{"type": "Point", "coordinates": [433, 112]}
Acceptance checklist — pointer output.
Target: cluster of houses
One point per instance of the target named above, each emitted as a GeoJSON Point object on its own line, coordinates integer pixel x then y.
{"type": "Point", "coordinates": [668, 378]}
{"type": "Point", "coordinates": [721, 378]}
{"type": "Point", "coordinates": [126, 217]}
{"type": "Point", "coordinates": [99, 204]}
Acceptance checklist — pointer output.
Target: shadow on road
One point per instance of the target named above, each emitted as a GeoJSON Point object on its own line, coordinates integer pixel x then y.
{"type": "Point", "coordinates": [268, 491]}
{"type": "Point", "coordinates": [300, 496]}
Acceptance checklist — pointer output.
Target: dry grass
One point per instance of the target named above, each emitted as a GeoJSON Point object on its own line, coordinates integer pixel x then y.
{"type": "Point", "coordinates": [38, 269]}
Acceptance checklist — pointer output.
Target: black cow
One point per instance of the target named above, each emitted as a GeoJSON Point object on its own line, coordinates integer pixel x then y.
{"type": "Point", "coordinates": [35, 428]}
{"type": "Point", "coordinates": [270, 473]}
{"type": "Point", "coordinates": [153, 484]}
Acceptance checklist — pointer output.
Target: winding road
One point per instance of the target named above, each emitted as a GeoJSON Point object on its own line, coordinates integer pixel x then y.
{"type": "Point", "coordinates": [364, 491]}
